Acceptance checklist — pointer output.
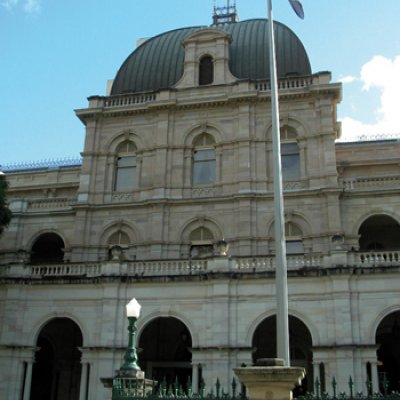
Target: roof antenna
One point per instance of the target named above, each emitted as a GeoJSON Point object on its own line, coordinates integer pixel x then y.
{"type": "Point", "coordinates": [225, 15]}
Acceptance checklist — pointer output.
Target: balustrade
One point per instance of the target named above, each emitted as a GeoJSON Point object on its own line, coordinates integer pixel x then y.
{"type": "Point", "coordinates": [371, 259]}
{"type": "Point", "coordinates": [268, 263]}
{"type": "Point", "coordinates": [49, 203]}
{"type": "Point", "coordinates": [127, 100]}
{"type": "Point", "coordinates": [377, 258]}
{"type": "Point", "coordinates": [289, 83]}
{"type": "Point", "coordinates": [371, 182]}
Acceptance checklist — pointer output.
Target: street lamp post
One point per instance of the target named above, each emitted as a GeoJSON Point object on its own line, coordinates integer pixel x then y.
{"type": "Point", "coordinates": [129, 382]}
{"type": "Point", "coordinates": [130, 357]}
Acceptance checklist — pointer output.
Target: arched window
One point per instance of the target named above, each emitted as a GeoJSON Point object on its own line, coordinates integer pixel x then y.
{"type": "Point", "coordinates": [201, 243]}
{"type": "Point", "coordinates": [48, 248]}
{"type": "Point", "coordinates": [294, 240]}
{"type": "Point", "coordinates": [204, 162]}
{"type": "Point", "coordinates": [379, 233]}
{"type": "Point", "coordinates": [206, 71]}
{"type": "Point", "coordinates": [290, 154]}
{"type": "Point", "coordinates": [119, 238]}
{"type": "Point", "coordinates": [125, 171]}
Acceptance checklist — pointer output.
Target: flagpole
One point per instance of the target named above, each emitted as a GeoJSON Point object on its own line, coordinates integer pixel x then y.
{"type": "Point", "coordinates": [282, 318]}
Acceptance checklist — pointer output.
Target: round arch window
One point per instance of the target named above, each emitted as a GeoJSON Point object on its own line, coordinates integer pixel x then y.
{"type": "Point", "coordinates": [48, 248]}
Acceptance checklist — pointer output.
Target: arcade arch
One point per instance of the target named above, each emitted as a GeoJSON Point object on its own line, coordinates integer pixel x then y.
{"type": "Point", "coordinates": [387, 339]}
{"type": "Point", "coordinates": [300, 342]}
{"type": "Point", "coordinates": [164, 353]}
{"type": "Point", "coordinates": [57, 370]}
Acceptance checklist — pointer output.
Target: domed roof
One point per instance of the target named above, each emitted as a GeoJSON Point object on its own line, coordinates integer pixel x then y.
{"type": "Point", "coordinates": [158, 63]}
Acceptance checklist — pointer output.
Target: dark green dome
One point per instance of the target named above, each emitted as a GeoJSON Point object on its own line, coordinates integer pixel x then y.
{"type": "Point", "coordinates": [158, 63]}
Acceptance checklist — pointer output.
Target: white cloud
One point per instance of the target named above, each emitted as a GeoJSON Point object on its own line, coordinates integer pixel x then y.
{"type": "Point", "coordinates": [29, 6]}
{"type": "Point", "coordinates": [347, 79]}
{"type": "Point", "coordinates": [384, 74]}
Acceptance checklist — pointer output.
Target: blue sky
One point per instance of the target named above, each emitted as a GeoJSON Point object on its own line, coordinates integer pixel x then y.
{"type": "Point", "coordinates": [56, 53]}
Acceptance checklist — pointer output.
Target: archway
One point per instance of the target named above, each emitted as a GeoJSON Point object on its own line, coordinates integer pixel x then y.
{"type": "Point", "coordinates": [388, 353]}
{"type": "Point", "coordinates": [379, 232]}
{"type": "Point", "coordinates": [48, 248]}
{"type": "Point", "coordinates": [300, 341]}
{"type": "Point", "coordinates": [164, 350]}
{"type": "Point", "coordinates": [57, 369]}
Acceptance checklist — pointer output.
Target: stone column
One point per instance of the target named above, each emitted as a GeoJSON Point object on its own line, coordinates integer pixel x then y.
{"type": "Point", "coordinates": [28, 380]}
{"type": "Point", "coordinates": [195, 378]}
{"type": "Point", "coordinates": [374, 376]}
{"type": "Point", "coordinates": [270, 379]}
{"type": "Point", "coordinates": [84, 381]}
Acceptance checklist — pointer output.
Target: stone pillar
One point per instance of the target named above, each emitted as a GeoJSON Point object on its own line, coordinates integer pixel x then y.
{"type": "Point", "coordinates": [84, 381]}
{"type": "Point", "coordinates": [270, 379]}
{"type": "Point", "coordinates": [374, 376]}
{"type": "Point", "coordinates": [28, 380]}
{"type": "Point", "coordinates": [195, 378]}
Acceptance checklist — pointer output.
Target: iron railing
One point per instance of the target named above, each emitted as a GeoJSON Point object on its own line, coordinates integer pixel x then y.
{"type": "Point", "coordinates": [131, 389]}
{"type": "Point", "coordinates": [335, 394]}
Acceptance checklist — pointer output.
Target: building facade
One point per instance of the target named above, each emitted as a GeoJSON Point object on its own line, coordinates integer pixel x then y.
{"type": "Point", "coordinates": [173, 204]}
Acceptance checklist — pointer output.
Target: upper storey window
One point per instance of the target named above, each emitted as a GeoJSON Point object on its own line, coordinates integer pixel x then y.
{"type": "Point", "coordinates": [126, 174]}
{"type": "Point", "coordinates": [290, 154]}
{"type": "Point", "coordinates": [204, 162]}
{"type": "Point", "coordinates": [294, 239]}
{"type": "Point", "coordinates": [118, 238]}
{"type": "Point", "coordinates": [206, 71]}
{"type": "Point", "coordinates": [201, 243]}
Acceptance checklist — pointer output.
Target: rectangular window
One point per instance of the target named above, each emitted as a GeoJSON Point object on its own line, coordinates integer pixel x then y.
{"type": "Point", "coordinates": [290, 159]}
{"type": "Point", "coordinates": [125, 179]}
{"type": "Point", "coordinates": [204, 167]}
{"type": "Point", "coordinates": [294, 247]}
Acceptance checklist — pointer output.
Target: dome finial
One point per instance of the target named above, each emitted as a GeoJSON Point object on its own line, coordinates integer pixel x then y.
{"type": "Point", "coordinates": [227, 14]}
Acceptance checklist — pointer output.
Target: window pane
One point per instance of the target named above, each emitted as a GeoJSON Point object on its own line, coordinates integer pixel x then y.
{"type": "Point", "coordinates": [204, 139]}
{"type": "Point", "coordinates": [203, 172]}
{"type": "Point", "coordinates": [294, 247]}
{"type": "Point", "coordinates": [126, 147]}
{"type": "Point", "coordinates": [290, 167]}
{"type": "Point", "coordinates": [125, 179]}
{"type": "Point", "coordinates": [118, 238]}
{"type": "Point", "coordinates": [292, 229]}
{"type": "Point", "coordinates": [289, 148]}
{"type": "Point", "coordinates": [200, 155]}
{"type": "Point", "coordinates": [201, 234]}
{"type": "Point", "coordinates": [129, 161]}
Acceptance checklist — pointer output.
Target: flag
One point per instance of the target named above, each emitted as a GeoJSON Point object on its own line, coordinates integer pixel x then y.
{"type": "Point", "coordinates": [297, 7]}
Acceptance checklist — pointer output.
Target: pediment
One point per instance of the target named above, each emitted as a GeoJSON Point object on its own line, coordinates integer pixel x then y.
{"type": "Point", "coordinates": [207, 35]}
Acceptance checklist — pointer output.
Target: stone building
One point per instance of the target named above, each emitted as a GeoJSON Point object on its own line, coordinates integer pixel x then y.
{"type": "Point", "coordinates": [173, 204]}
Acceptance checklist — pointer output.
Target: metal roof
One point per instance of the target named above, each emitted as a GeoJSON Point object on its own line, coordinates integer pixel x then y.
{"type": "Point", "coordinates": [158, 63]}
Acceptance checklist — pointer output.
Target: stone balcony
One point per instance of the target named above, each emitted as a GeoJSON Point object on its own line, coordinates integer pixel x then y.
{"type": "Point", "coordinates": [165, 268]}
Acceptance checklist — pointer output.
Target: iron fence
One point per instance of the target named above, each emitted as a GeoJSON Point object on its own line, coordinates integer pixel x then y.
{"type": "Point", "coordinates": [335, 394]}
{"type": "Point", "coordinates": [130, 389]}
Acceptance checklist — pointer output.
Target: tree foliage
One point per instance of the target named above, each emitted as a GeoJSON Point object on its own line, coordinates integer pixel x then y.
{"type": "Point", "coordinates": [5, 213]}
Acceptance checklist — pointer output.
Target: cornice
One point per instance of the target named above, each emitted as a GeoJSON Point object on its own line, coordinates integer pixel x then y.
{"type": "Point", "coordinates": [200, 102]}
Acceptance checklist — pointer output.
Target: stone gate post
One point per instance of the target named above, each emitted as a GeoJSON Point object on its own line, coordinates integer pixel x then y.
{"type": "Point", "coordinates": [269, 379]}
